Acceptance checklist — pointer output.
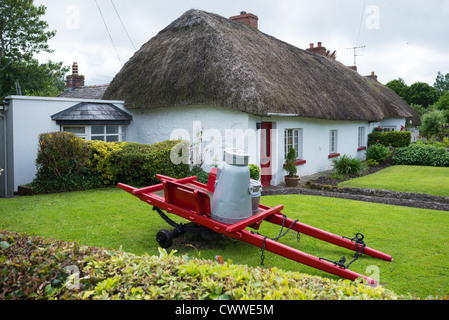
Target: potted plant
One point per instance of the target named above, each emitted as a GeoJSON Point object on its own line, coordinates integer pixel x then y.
{"type": "Point", "coordinates": [291, 179]}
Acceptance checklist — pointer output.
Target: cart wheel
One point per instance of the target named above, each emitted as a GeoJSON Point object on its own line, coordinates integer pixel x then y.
{"type": "Point", "coordinates": [164, 238]}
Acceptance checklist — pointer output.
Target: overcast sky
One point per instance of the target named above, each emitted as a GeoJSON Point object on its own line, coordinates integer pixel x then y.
{"type": "Point", "coordinates": [399, 38]}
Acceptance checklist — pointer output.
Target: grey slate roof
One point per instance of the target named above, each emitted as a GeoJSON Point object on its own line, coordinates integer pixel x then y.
{"type": "Point", "coordinates": [92, 113]}
{"type": "Point", "coordinates": [86, 92]}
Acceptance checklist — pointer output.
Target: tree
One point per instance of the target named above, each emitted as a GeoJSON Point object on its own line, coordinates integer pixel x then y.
{"type": "Point", "coordinates": [22, 34]}
{"type": "Point", "coordinates": [423, 94]}
{"type": "Point", "coordinates": [399, 87]}
{"type": "Point", "coordinates": [33, 78]}
{"type": "Point", "coordinates": [442, 83]}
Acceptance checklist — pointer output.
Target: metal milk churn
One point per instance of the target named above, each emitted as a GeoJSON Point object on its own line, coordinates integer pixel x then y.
{"type": "Point", "coordinates": [231, 201]}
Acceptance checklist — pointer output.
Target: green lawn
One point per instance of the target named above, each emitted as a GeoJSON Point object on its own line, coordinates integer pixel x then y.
{"type": "Point", "coordinates": [416, 179]}
{"type": "Point", "coordinates": [111, 218]}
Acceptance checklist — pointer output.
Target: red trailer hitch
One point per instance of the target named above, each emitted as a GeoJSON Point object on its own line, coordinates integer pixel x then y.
{"type": "Point", "coordinates": [190, 200]}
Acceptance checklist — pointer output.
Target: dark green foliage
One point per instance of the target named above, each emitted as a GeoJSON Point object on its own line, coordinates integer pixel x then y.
{"type": "Point", "coordinates": [346, 165]}
{"type": "Point", "coordinates": [377, 152]}
{"type": "Point", "coordinates": [61, 163]}
{"type": "Point", "coordinates": [34, 268]}
{"type": "Point", "coordinates": [138, 164]}
{"type": "Point", "coordinates": [66, 163]}
{"type": "Point", "coordinates": [396, 139]}
{"type": "Point", "coordinates": [422, 155]}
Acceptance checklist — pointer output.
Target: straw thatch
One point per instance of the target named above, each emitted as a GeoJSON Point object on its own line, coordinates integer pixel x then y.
{"type": "Point", "coordinates": [205, 59]}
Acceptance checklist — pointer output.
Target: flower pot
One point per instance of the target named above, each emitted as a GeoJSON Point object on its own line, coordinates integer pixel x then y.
{"type": "Point", "coordinates": [291, 181]}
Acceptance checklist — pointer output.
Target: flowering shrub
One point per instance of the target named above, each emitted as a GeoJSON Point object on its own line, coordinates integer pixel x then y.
{"type": "Point", "coordinates": [102, 157]}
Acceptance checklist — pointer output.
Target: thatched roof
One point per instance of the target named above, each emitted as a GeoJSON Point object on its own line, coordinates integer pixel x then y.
{"type": "Point", "coordinates": [205, 59]}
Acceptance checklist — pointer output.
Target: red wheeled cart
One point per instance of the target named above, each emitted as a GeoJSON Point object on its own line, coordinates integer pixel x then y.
{"type": "Point", "coordinates": [190, 200]}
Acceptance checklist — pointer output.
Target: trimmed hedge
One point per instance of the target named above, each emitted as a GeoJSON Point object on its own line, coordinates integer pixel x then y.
{"type": "Point", "coordinates": [35, 268]}
{"type": "Point", "coordinates": [396, 139]}
{"type": "Point", "coordinates": [67, 163]}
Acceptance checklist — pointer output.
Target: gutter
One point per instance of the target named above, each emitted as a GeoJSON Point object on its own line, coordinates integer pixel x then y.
{"type": "Point", "coordinates": [3, 110]}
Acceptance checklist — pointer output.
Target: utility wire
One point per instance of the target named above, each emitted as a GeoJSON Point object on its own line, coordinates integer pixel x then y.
{"type": "Point", "coordinates": [361, 22]}
{"type": "Point", "coordinates": [107, 29]}
{"type": "Point", "coordinates": [123, 25]}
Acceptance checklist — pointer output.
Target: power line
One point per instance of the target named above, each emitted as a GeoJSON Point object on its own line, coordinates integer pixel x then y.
{"type": "Point", "coordinates": [123, 25]}
{"type": "Point", "coordinates": [107, 29]}
{"type": "Point", "coordinates": [361, 22]}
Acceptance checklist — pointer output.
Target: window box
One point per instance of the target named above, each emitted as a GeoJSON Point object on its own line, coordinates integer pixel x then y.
{"type": "Point", "coordinates": [333, 155]}
{"type": "Point", "coordinates": [361, 148]}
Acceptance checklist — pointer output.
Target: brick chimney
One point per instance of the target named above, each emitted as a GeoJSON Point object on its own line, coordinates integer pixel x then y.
{"type": "Point", "coordinates": [75, 80]}
{"type": "Point", "coordinates": [318, 50]}
{"type": "Point", "coordinates": [247, 18]}
{"type": "Point", "coordinates": [373, 75]}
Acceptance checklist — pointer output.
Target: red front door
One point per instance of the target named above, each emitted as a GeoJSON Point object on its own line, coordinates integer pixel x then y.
{"type": "Point", "coordinates": [265, 153]}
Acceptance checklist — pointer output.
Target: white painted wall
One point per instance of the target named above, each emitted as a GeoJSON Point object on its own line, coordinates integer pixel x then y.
{"type": "Point", "coordinates": [31, 117]}
{"type": "Point", "coordinates": [316, 143]}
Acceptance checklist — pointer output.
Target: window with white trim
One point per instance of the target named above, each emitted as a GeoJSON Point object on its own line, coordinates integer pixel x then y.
{"type": "Point", "coordinates": [361, 142]}
{"type": "Point", "coordinates": [293, 139]}
{"type": "Point", "coordinates": [108, 133]}
{"type": "Point", "coordinates": [333, 141]}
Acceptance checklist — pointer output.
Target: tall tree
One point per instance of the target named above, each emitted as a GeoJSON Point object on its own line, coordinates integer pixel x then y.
{"type": "Point", "coordinates": [23, 34]}
{"type": "Point", "coordinates": [442, 83]}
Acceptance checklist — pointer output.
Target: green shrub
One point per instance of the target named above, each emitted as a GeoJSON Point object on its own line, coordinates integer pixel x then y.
{"type": "Point", "coordinates": [35, 268]}
{"type": "Point", "coordinates": [377, 152]}
{"type": "Point", "coordinates": [254, 171]}
{"type": "Point", "coordinates": [61, 163]}
{"type": "Point", "coordinates": [431, 123]}
{"type": "Point", "coordinates": [396, 139]}
{"type": "Point", "coordinates": [345, 165]}
{"type": "Point", "coordinates": [67, 163]}
{"type": "Point", "coordinates": [422, 155]}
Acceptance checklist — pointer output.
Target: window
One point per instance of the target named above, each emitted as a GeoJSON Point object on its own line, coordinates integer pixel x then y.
{"type": "Point", "coordinates": [333, 141]}
{"type": "Point", "coordinates": [293, 139]}
{"type": "Point", "coordinates": [361, 142]}
{"type": "Point", "coordinates": [109, 133]}
{"type": "Point", "coordinates": [389, 129]}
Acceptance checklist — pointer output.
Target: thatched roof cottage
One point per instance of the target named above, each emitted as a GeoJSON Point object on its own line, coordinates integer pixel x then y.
{"type": "Point", "coordinates": [222, 81]}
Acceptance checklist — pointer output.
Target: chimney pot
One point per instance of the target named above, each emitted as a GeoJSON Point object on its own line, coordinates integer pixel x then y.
{"type": "Point", "coordinates": [319, 44]}
{"type": "Point", "coordinates": [311, 45]}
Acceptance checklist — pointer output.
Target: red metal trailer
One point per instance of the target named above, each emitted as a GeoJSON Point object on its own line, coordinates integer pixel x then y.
{"type": "Point", "coordinates": [190, 200]}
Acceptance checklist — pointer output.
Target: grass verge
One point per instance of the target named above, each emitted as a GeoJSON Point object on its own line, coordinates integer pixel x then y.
{"type": "Point", "coordinates": [113, 219]}
{"type": "Point", "coordinates": [416, 179]}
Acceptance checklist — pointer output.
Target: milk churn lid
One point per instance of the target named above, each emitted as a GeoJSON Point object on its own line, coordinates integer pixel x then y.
{"type": "Point", "coordinates": [236, 157]}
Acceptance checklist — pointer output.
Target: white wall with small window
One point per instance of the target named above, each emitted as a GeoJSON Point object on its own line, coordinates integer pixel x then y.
{"type": "Point", "coordinates": [293, 139]}
{"type": "Point", "coordinates": [107, 132]}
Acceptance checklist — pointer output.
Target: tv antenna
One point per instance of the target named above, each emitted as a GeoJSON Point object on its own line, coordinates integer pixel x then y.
{"type": "Point", "coordinates": [355, 53]}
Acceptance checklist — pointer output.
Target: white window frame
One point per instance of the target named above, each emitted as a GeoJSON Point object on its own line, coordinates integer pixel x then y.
{"type": "Point", "coordinates": [333, 141]}
{"type": "Point", "coordinates": [87, 135]}
{"type": "Point", "coordinates": [296, 136]}
{"type": "Point", "coordinates": [361, 140]}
